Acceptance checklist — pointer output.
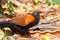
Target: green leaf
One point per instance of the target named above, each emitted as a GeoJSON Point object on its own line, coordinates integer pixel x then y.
{"type": "Point", "coordinates": [57, 1]}
{"type": "Point", "coordinates": [14, 5]}
{"type": "Point", "coordinates": [36, 1]}
{"type": "Point", "coordinates": [52, 2]}
{"type": "Point", "coordinates": [0, 15]}
{"type": "Point", "coordinates": [48, 2]}
{"type": "Point", "coordinates": [11, 9]}
{"type": "Point", "coordinates": [5, 38]}
{"type": "Point", "coordinates": [45, 37]}
{"type": "Point", "coordinates": [8, 1]}
{"type": "Point", "coordinates": [1, 34]}
{"type": "Point", "coordinates": [6, 28]}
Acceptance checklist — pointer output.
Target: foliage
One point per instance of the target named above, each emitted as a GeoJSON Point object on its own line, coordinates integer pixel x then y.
{"type": "Point", "coordinates": [0, 15]}
{"type": "Point", "coordinates": [5, 38]}
{"type": "Point", "coordinates": [36, 1]}
{"type": "Point", "coordinates": [1, 34]}
{"type": "Point", "coordinates": [11, 7]}
{"type": "Point", "coordinates": [52, 2]}
{"type": "Point", "coordinates": [1, 10]}
{"type": "Point", "coordinates": [45, 37]}
{"type": "Point", "coordinates": [6, 28]}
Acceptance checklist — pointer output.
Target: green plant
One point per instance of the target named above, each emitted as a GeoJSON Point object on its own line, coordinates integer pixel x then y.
{"type": "Point", "coordinates": [5, 38]}
{"type": "Point", "coordinates": [45, 37]}
{"type": "Point", "coordinates": [1, 11]}
{"type": "Point", "coordinates": [1, 34]}
{"type": "Point", "coordinates": [52, 2]}
{"type": "Point", "coordinates": [36, 1]}
{"type": "Point", "coordinates": [11, 7]}
{"type": "Point", "coordinates": [7, 31]}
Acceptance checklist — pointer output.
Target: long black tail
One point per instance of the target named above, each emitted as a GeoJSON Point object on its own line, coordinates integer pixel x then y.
{"type": "Point", "coordinates": [15, 28]}
{"type": "Point", "coordinates": [12, 26]}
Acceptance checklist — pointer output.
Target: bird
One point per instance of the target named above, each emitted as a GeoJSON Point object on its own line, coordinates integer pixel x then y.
{"type": "Point", "coordinates": [22, 29]}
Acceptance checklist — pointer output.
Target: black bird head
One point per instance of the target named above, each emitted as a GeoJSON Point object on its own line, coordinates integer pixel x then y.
{"type": "Point", "coordinates": [36, 14]}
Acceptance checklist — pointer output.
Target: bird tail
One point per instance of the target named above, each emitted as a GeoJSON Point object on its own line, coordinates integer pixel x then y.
{"type": "Point", "coordinates": [16, 29]}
